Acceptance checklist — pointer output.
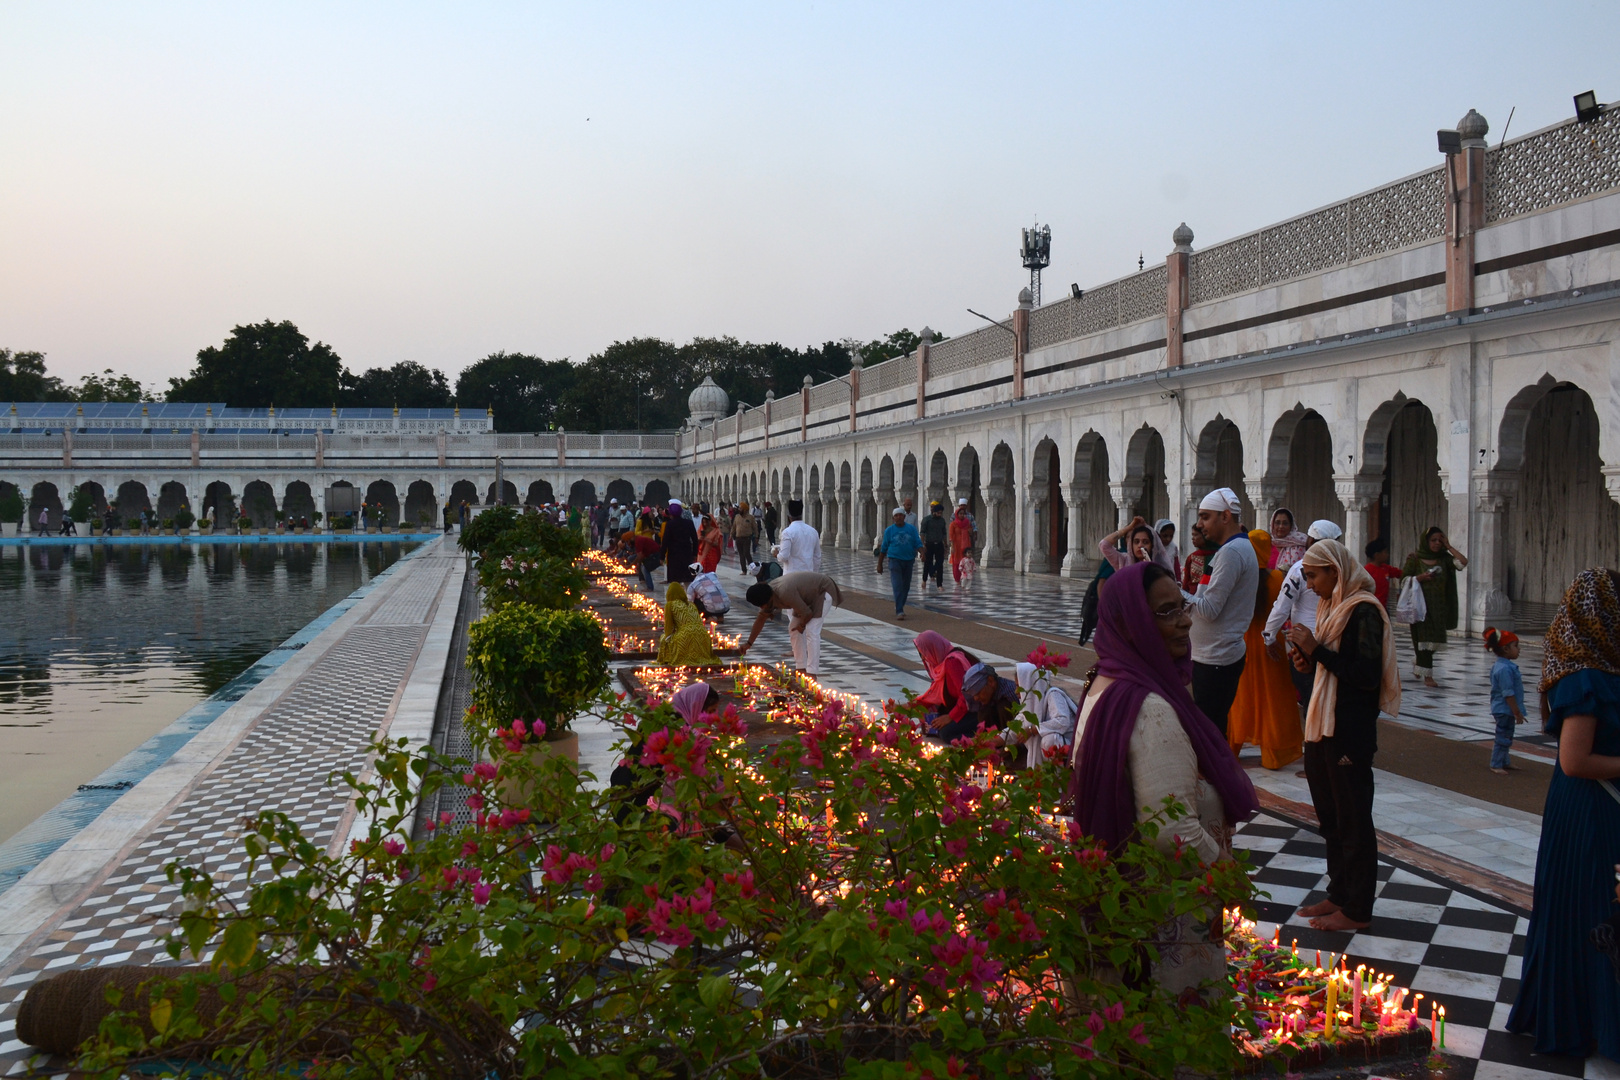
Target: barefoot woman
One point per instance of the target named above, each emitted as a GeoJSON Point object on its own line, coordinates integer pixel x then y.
{"type": "Point", "coordinates": [1353, 655]}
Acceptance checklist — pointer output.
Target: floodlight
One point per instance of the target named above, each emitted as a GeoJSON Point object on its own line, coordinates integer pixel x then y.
{"type": "Point", "coordinates": [1450, 141]}
{"type": "Point", "coordinates": [1587, 108]}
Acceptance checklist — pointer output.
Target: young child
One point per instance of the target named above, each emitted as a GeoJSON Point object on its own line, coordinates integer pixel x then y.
{"type": "Point", "coordinates": [1380, 569]}
{"type": "Point", "coordinates": [1507, 695]}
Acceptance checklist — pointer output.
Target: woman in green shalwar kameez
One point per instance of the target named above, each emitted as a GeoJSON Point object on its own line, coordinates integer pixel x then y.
{"type": "Point", "coordinates": [1434, 565]}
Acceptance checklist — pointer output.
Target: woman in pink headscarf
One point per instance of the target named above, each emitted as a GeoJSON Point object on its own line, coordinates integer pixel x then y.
{"type": "Point", "coordinates": [1287, 543]}
{"type": "Point", "coordinates": [946, 665]}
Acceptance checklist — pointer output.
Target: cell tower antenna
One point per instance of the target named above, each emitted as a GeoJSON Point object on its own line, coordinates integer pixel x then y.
{"type": "Point", "coordinates": [1037, 255]}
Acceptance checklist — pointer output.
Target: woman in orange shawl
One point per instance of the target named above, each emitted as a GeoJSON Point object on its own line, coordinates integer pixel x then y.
{"type": "Point", "coordinates": [710, 544]}
{"type": "Point", "coordinates": [1266, 709]}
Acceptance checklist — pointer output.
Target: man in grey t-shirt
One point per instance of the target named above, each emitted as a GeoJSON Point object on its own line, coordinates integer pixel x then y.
{"type": "Point", "coordinates": [1223, 606]}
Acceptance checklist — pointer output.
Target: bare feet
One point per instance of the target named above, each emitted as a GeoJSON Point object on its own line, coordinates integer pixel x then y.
{"type": "Point", "coordinates": [1321, 907]}
{"type": "Point", "coordinates": [1338, 921]}
{"type": "Point", "coordinates": [1428, 680]}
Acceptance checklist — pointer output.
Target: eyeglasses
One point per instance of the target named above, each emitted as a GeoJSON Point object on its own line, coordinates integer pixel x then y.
{"type": "Point", "coordinates": [1174, 612]}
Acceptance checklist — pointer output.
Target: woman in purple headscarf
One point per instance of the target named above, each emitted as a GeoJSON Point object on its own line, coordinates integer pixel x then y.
{"type": "Point", "coordinates": [1141, 739]}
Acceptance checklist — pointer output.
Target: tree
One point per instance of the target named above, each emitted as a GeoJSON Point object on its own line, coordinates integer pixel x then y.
{"type": "Point", "coordinates": [263, 364]}
{"type": "Point", "coordinates": [110, 387]}
{"type": "Point", "coordinates": [631, 385]}
{"type": "Point", "coordinates": [407, 384]}
{"type": "Point", "coordinates": [524, 390]}
{"type": "Point", "coordinates": [23, 378]}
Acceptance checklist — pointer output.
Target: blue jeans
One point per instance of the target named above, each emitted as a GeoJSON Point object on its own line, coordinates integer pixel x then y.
{"type": "Point", "coordinates": [1504, 740]}
{"type": "Point", "coordinates": [900, 578]}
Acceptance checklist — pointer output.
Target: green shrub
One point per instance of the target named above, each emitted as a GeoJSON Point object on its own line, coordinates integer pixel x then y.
{"type": "Point", "coordinates": [529, 663]}
{"type": "Point", "coordinates": [132, 524]}
{"type": "Point", "coordinates": [11, 504]}
{"type": "Point", "coordinates": [184, 518]}
{"type": "Point", "coordinates": [486, 527]}
{"type": "Point", "coordinates": [80, 505]}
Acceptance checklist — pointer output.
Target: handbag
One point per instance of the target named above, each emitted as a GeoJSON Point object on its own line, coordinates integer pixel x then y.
{"type": "Point", "coordinates": [1411, 607]}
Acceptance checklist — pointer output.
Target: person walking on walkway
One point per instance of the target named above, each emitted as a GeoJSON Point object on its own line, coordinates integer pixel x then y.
{"type": "Point", "coordinates": [678, 549]}
{"type": "Point", "coordinates": [709, 544]}
{"type": "Point", "coordinates": [1569, 996]}
{"type": "Point", "coordinates": [1435, 564]}
{"type": "Point", "coordinates": [899, 544]}
{"type": "Point", "coordinates": [1296, 603]}
{"type": "Point", "coordinates": [961, 534]}
{"type": "Point", "coordinates": [806, 596]}
{"type": "Point", "coordinates": [1507, 696]}
{"type": "Point", "coordinates": [1352, 653]}
{"type": "Point", "coordinates": [1222, 607]}
{"type": "Point", "coordinates": [935, 533]}
{"type": "Point", "coordinates": [772, 520]}
{"type": "Point", "coordinates": [1141, 738]}
{"type": "Point", "coordinates": [800, 548]}
{"type": "Point", "coordinates": [1266, 709]}
{"type": "Point", "coordinates": [744, 527]}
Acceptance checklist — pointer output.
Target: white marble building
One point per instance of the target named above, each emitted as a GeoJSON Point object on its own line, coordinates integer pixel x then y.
{"type": "Point", "coordinates": [1438, 351]}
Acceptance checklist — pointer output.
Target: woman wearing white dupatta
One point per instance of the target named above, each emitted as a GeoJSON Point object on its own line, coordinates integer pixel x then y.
{"type": "Point", "coordinates": [1352, 652]}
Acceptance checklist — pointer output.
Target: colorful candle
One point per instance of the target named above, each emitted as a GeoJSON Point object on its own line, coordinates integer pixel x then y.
{"type": "Point", "coordinates": [1332, 1006]}
{"type": "Point", "coordinates": [1442, 1027]}
{"type": "Point", "coordinates": [1356, 1001]}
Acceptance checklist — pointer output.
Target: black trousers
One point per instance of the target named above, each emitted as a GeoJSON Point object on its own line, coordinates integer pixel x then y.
{"type": "Point", "coordinates": [934, 563]}
{"type": "Point", "coordinates": [1214, 686]}
{"type": "Point", "coordinates": [1343, 794]}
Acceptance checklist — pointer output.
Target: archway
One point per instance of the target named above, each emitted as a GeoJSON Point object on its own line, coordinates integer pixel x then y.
{"type": "Point", "coordinates": [622, 490]}
{"type": "Point", "coordinates": [463, 491]}
{"type": "Point", "coordinates": [383, 493]}
{"type": "Point", "coordinates": [45, 497]}
{"type": "Point", "coordinates": [94, 497]}
{"type": "Point", "coordinates": [843, 521]}
{"type": "Point", "coordinates": [1099, 515]}
{"type": "Point", "coordinates": [1002, 542]}
{"type": "Point", "coordinates": [539, 494]}
{"type": "Point", "coordinates": [812, 496]}
{"type": "Point", "coordinates": [219, 504]}
{"type": "Point", "coordinates": [908, 482]}
{"type": "Point", "coordinates": [507, 496]}
{"type": "Point", "coordinates": [1220, 464]}
{"type": "Point", "coordinates": [939, 478]}
{"type": "Point", "coordinates": [1299, 470]}
{"type": "Point", "coordinates": [421, 505]}
{"type": "Point", "coordinates": [1049, 517]}
{"type": "Point", "coordinates": [258, 504]}
{"type": "Point", "coordinates": [582, 493]}
{"type": "Point", "coordinates": [967, 487]}
{"type": "Point", "coordinates": [868, 510]}
{"type": "Point", "coordinates": [132, 499]}
{"type": "Point", "coordinates": [1402, 445]}
{"type": "Point", "coordinates": [798, 482]}
{"type": "Point", "coordinates": [1146, 491]}
{"type": "Point", "coordinates": [172, 498]}
{"type": "Point", "coordinates": [1563, 519]}
{"type": "Point", "coordinates": [656, 494]}
{"type": "Point", "coordinates": [298, 502]}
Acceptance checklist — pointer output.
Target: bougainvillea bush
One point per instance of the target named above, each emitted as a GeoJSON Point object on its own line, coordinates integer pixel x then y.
{"type": "Point", "coordinates": [848, 903]}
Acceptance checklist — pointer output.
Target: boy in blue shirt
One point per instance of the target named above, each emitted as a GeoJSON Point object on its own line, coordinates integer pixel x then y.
{"type": "Point", "coordinates": [1507, 695]}
{"type": "Point", "coordinates": [899, 544]}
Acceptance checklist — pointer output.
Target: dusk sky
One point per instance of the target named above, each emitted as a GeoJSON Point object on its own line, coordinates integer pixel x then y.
{"type": "Point", "coordinates": [435, 182]}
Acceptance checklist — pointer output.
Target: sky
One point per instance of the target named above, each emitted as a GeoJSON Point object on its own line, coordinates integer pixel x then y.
{"type": "Point", "coordinates": [437, 182]}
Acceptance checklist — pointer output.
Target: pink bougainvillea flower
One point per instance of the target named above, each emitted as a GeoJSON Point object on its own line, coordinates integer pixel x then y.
{"type": "Point", "coordinates": [1138, 1035]}
{"type": "Point", "coordinates": [429, 982]}
{"type": "Point", "coordinates": [481, 894]}
{"type": "Point", "coordinates": [1095, 1022]}
{"type": "Point", "coordinates": [393, 847]}
{"type": "Point", "coordinates": [475, 801]}
{"type": "Point", "coordinates": [1115, 1012]}
{"type": "Point", "coordinates": [1084, 1051]}
{"type": "Point", "coordinates": [485, 769]}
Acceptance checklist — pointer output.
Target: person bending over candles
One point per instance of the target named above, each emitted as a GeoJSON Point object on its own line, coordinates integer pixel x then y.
{"type": "Point", "coordinates": [946, 664]}
{"type": "Point", "coordinates": [807, 596]}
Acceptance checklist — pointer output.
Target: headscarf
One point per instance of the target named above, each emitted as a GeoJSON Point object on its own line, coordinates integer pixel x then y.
{"type": "Point", "coordinates": [933, 647]}
{"type": "Point", "coordinates": [1260, 540]}
{"type": "Point", "coordinates": [1355, 586]}
{"type": "Point", "coordinates": [1131, 651]}
{"type": "Point", "coordinates": [676, 591]}
{"type": "Point", "coordinates": [1585, 634]}
{"type": "Point", "coordinates": [1287, 548]}
{"type": "Point", "coordinates": [1173, 549]}
{"type": "Point", "coordinates": [1160, 554]}
{"type": "Point", "coordinates": [688, 701]}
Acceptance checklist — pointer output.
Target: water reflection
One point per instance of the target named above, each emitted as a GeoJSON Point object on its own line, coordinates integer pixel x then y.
{"type": "Point", "coordinates": [106, 644]}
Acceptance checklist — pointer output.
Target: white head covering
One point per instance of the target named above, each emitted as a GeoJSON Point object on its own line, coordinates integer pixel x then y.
{"type": "Point", "coordinates": [1054, 711]}
{"type": "Point", "coordinates": [897, 510]}
{"type": "Point", "coordinates": [1323, 529]}
{"type": "Point", "coordinates": [1222, 499]}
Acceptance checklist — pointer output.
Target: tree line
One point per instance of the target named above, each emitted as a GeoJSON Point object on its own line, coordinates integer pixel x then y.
{"type": "Point", "coordinates": [636, 385]}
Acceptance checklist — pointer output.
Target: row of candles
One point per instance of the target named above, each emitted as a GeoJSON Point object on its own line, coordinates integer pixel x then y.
{"type": "Point", "coordinates": [653, 612]}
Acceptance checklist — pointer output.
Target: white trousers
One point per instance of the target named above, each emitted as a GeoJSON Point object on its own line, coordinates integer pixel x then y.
{"type": "Point", "coordinates": [807, 642]}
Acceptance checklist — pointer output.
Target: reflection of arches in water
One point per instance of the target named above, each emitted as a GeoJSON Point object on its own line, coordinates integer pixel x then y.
{"type": "Point", "coordinates": [1402, 449]}
{"type": "Point", "coordinates": [582, 494]}
{"type": "Point", "coordinates": [539, 494]}
{"type": "Point", "coordinates": [656, 494]}
{"type": "Point", "coordinates": [1299, 469]}
{"type": "Point", "coordinates": [1562, 519]}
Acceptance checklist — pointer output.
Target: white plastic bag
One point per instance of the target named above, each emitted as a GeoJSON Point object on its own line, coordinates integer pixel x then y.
{"type": "Point", "coordinates": [1411, 607]}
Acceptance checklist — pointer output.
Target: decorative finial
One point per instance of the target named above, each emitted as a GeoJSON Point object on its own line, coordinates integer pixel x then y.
{"type": "Point", "coordinates": [489, 410]}
{"type": "Point", "coordinates": [1472, 127]}
{"type": "Point", "coordinates": [1182, 237]}
{"type": "Point", "coordinates": [808, 382]}
{"type": "Point", "coordinates": [396, 410]}
{"type": "Point", "coordinates": [1026, 299]}
{"type": "Point", "coordinates": [927, 337]}
{"type": "Point", "coordinates": [1140, 261]}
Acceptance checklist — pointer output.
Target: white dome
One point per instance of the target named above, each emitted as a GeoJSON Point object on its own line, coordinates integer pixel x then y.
{"type": "Point", "coordinates": [708, 402]}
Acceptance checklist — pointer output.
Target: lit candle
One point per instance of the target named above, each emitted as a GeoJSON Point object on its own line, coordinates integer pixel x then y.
{"type": "Point", "coordinates": [1432, 1029]}
{"type": "Point", "coordinates": [1332, 1006]}
{"type": "Point", "coordinates": [1356, 1001]}
{"type": "Point", "coordinates": [1442, 1027]}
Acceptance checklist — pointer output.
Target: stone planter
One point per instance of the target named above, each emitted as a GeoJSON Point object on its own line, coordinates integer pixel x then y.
{"type": "Point", "coordinates": [8, 528]}
{"type": "Point", "coordinates": [518, 793]}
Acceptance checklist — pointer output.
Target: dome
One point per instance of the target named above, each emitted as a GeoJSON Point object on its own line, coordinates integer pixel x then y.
{"type": "Point", "coordinates": [708, 402]}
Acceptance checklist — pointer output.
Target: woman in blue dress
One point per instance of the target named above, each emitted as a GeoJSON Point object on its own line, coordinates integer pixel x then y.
{"type": "Point", "coordinates": [1569, 997]}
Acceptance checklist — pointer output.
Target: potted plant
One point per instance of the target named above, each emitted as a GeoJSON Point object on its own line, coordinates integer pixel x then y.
{"type": "Point", "coordinates": [168, 526]}
{"type": "Point", "coordinates": [205, 525]}
{"type": "Point", "coordinates": [425, 520]}
{"type": "Point", "coordinates": [343, 523]}
{"type": "Point", "coordinates": [98, 526]}
{"type": "Point", "coordinates": [243, 524]}
{"type": "Point", "coordinates": [533, 670]}
{"type": "Point", "coordinates": [133, 525]}
{"type": "Point", "coordinates": [315, 521]}
{"type": "Point", "coordinates": [281, 521]}
{"type": "Point", "coordinates": [184, 519]}
{"type": "Point", "coordinates": [11, 511]}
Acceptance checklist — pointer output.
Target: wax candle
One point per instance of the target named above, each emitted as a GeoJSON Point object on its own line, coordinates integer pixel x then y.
{"type": "Point", "coordinates": [1442, 1027]}
{"type": "Point", "coordinates": [1432, 1029]}
{"type": "Point", "coordinates": [1356, 1001]}
{"type": "Point", "coordinates": [1332, 1006]}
